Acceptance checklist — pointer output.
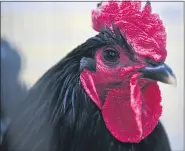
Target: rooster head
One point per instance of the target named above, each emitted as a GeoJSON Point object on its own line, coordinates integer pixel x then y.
{"type": "Point", "coordinates": [121, 78]}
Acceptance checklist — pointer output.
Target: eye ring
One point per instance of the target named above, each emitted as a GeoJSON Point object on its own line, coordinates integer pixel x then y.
{"type": "Point", "coordinates": [111, 55]}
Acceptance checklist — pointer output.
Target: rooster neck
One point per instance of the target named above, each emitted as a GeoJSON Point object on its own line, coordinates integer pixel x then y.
{"type": "Point", "coordinates": [89, 132]}
{"type": "Point", "coordinates": [63, 118]}
{"type": "Point", "coordinates": [80, 127]}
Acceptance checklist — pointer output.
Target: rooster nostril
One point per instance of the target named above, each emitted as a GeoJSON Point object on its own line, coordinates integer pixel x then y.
{"type": "Point", "coordinates": [153, 63]}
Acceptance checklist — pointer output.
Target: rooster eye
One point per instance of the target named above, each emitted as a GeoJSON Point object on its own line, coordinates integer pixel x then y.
{"type": "Point", "coordinates": [111, 55]}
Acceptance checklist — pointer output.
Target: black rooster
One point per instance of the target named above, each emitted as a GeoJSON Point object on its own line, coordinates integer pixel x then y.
{"type": "Point", "coordinates": [91, 99]}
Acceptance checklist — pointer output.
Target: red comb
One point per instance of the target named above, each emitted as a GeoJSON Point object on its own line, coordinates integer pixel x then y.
{"type": "Point", "coordinates": [143, 29]}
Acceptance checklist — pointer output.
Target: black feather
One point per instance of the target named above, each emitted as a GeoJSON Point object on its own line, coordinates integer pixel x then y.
{"type": "Point", "coordinates": [59, 116]}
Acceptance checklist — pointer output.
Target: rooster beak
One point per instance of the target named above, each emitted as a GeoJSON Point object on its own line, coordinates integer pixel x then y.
{"type": "Point", "coordinates": [161, 73]}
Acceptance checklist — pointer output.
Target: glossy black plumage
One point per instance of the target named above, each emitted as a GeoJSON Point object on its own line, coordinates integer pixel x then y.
{"type": "Point", "coordinates": [59, 116]}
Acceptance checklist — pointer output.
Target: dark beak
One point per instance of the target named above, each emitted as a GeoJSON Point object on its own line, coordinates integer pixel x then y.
{"type": "Point", "coordinates": [160, 73]}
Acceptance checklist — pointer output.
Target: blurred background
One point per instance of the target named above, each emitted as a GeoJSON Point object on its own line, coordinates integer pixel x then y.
{"type": "Point", "coordinates": [36, 35]}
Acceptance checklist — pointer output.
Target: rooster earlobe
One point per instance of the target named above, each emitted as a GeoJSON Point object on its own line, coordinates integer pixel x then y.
{"type": "Point", "coordinates": [87, 63]}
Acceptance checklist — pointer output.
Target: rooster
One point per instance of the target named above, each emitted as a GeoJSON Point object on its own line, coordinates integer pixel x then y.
{"type": "Point", "coordinates": [103, 95]}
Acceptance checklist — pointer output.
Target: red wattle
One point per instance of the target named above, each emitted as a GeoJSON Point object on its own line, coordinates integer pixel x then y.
{"type": "Point", "coordinates": [87, 81]}
{"type": "Point", "coordinates": [130, 114]}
